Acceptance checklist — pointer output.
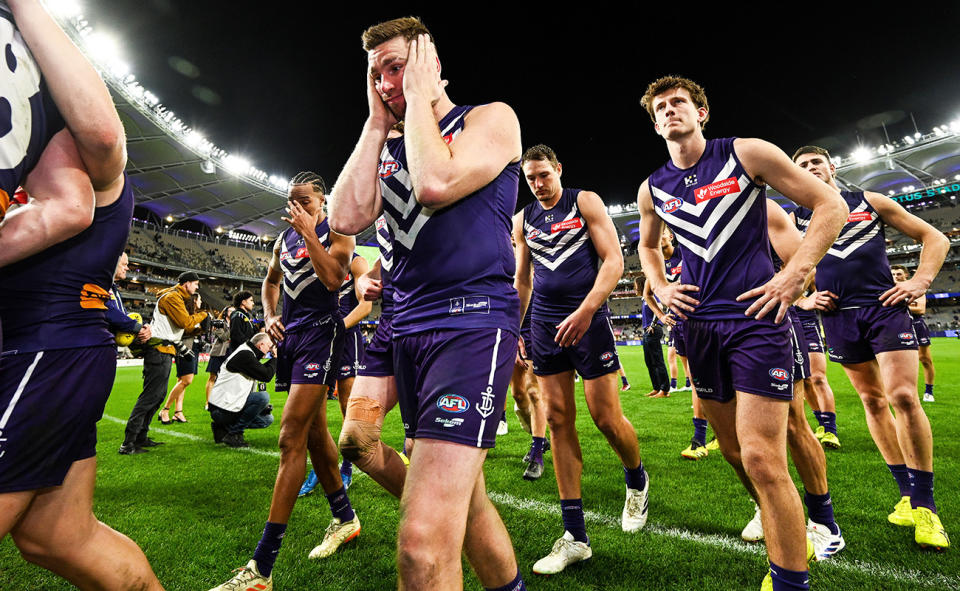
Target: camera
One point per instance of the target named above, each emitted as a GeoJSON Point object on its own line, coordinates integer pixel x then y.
{"type": "Point", "coordinates": [217, 324]}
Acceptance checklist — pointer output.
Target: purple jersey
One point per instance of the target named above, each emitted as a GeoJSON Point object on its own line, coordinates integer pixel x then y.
{"type": "Point", "coordinates": [452, 267]}
{"type": "Point", "coordinates": [305, 298]}
{"type": "Point", "coordinates": [855, 268]}
{"type": "Point", "coordinates": [719, 215]}
{"type": "Point", "coordinates": [347, 296]}
{"type": "Point", "coordinates": [31, 117]}
{"type": "Point", "coordinates": [565, 262]}
{"type": "Point", "coordinates": [57, 299]}
{"type": "Point", "coordinates": [673, 266]}
{"type": "Point", "coordinates": [385, 242]}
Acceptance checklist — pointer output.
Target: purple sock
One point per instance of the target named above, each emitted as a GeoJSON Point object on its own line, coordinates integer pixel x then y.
{"type": "Point", "coordinates": [673, 383]}
{"type": "Point", "coordinates": [819, 416]}
{"type": "Point", "coordinates": [700, 431]}
{"type": "Point", "coordinates": [346, 468]}
{"type": "Point", "coordinates": [902, 476]}
{"type": "Point", "coordinates": [623, 380]}
{"type": "Point", "coordinates": [820, 510]}
{"type": "Point", "coordinates": [340, 505]}
{"type": "Point", "coordinates": [928, 389]}
{"type": "Point", "coordinates": [829, 421]}
{"type": "Point", "coordinates": [536, 449]}
{"type": "Point", "coordinates": [922, 495]}
{"type": "Point", "coordinates": [687, 385]}
{"type": "Point", "coordinates": [269, 547]}
{"type": "Point", "coordinates": [572, 512]}
{"type": "Point", "coordinates": [636, 478]}
{"type": "Point", "coordinates": [789, 580]}
{"type": "Point", "coordinates": [515, 585]}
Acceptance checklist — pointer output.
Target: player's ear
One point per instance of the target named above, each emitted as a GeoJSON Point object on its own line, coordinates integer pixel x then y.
{"type": "Point", "coordinates": [559, 169]}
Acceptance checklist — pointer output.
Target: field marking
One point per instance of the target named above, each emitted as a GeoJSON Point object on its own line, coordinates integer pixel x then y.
{"type": "Point", "coordinates": [191, 437]}
{"type": "Point", "coordinates": [926, 579]}
{"type": "Point", "coordinates": [922, 578]}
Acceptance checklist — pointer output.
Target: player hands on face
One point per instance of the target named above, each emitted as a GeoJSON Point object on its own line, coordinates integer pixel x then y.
{"type": "Point", "coordinates": [414, 77]}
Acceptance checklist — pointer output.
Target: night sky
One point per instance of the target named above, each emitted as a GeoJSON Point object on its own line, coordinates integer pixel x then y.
{"type": "Point", "coordinates": [285, 86]}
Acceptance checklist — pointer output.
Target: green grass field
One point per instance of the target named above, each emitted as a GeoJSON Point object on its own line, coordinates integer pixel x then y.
{"type": "Point", "coordinates": [197, 509]}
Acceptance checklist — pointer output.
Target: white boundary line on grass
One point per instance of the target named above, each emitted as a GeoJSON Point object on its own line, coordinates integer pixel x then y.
{"type": "Point", "coordinates": [926, 579]}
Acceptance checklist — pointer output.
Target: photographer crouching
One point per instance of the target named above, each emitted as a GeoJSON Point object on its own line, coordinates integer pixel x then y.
{"type": "Point", "coordinates": [239, 399]}
{"type": "Point", "coordinates": [171, 323]}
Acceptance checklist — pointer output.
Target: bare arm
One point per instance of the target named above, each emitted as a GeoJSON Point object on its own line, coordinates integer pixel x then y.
{"type": "Point", "coordinates": [932, 254]}
{"type": "Point", "coordinates": [369, 285]}
{"type": "Point", "coordinates": [61, 203]}
{"type": "Point", "coordinates": [603, 234]}
{"type": "Point", "coordinates": [919, 305]}
{"type": "Point", "coordinates": [523, 282]}
{"type": "Point", "coordinates": [768, 164]}
{"type": "Point", "coordinates": [358, 268]}
{"type": "Point", "coordinates": [785, 238]}
{"type": "Point", "coordinates": [270, 294]}
{"type": "Point", "coordinates": [79, 93]}
{"type": "Point", "coordinates": [672, 295]}
{"type": "Point", "coordinates": [442, 173]}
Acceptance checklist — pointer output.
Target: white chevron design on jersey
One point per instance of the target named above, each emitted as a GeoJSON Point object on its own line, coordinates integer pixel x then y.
{"type": "Point", "coordinates": [542, 251]}
{"type": "Point", "coordinates": [851, 231]}
{"type": "Point", "coordinates": [697, 208]}
{"type": "Point", "coordinates": [405, 206]}
{"type": "Point", "coordinates": [711, 251]}
{"type": "Point", "coordinates": [713, 218]}
{"type": "Point", "coordinates": [294, 271]}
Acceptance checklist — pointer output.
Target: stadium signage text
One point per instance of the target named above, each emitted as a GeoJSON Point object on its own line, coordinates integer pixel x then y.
{"type": "Point", "coordinates": [943, 192]}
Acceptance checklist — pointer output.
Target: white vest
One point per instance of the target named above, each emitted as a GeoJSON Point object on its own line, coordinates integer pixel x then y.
{"type": "Point", "coordinates": [162, 327]}
{"type": "Point", "coordinates": [231, 389]}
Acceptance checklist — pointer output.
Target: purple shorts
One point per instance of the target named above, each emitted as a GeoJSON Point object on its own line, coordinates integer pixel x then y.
{"type": "Point", "coordinates": [801, 355]}
{"type": "Point", "coordinates": [310, 354]}
{"type": "Point", "coordinates": [594, 356]}
{"type": "Point", "coordinates": [753, 356]}
{"type": "Point", "coordinates": [676, 339]}
{"type": "Point", "coordinates": [352, 359]}
{"type": "Point", "coordinates": [452, 384]}
{"type": "Point", "coordinates": [921, 330]}
{"type": "Point", "coordinates": [810, 327]}
{"type": "Point", "coordinates": [50, 403]}
{"type": "Point", "coordinates": [378, 356]}
{"type": "Point", "coordinates": [856, 335]}
{"type": "Point", "coordinates": [526, 333]}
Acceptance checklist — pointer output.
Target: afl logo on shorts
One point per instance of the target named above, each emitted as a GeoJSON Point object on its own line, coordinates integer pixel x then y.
{"type": "Point", "coordinates": [453, 403]}
{"type": "Point", "coordinates": [311, 367]}
{"type": "Point", "coordinates": [671, 205]}
{"type": "Point", "coordinates": [780, 374]}
{"type": "Point", "coordinates": [606, 356]}
{"type": "Point", "coordinates": [388, 168]}
{"type": "Point", "coordinates": [906, 336]}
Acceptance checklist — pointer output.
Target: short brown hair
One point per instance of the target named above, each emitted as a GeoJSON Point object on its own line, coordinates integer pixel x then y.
{"type": "Point", "coordinates": [407, 27]}
{"type": "Point", "coordinates": [540, 152]}
{"type": "Point", "coordinates": [810, 150]}
{"type": "Point", "coordinates": [900, 268]}
{"type": "Point", "coordinates": [666, 83]}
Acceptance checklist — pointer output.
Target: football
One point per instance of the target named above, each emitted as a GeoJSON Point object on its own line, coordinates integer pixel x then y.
{"type": "Point", "coordinates": [125, 338]}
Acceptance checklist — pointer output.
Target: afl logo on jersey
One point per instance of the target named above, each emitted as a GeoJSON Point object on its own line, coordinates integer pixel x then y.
{"type": "Point", "coordinates": [780, 374]}
{"type": "Point", "coordinates": [388, 168]}
{"type": "Point", "coordinates": [453, 403]}
{"type": "Point", "coordinates": [533, 233]}
{"type": "Point", "coordinates": [671, 205]}
{"type": "Point", "coordinates": [381, 223]}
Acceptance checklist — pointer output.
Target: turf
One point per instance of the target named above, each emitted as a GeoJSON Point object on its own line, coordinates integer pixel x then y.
{"type": "Point", "coordinates": [197, 509]}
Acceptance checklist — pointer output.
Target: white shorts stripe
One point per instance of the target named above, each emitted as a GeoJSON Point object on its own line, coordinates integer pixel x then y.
{"type": "Point", "coordinates": [329, 364]}
{"type": "Point", "coordinates": [20, 388]}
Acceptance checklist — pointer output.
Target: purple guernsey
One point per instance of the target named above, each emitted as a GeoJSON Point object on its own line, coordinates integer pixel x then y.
{"type": "Point", "coordinates": [565, 262]}
{"type": "Point", "coordinates": [855, 268]}
{"type": "Point", "coordinates": [452, 267]}
{"type": "Point", "coordinates": [305, 298]}
{"type": "Point", "coordinates": [718, 214]}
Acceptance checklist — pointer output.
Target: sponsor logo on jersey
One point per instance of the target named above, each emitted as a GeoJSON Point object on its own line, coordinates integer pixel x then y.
{"type": "Point", "coordinates": [453, 403]}
{"type": "Point", "coordinates": [533, 233]}
{"type": "Point", "coordinates": [448, 423]}
{"type": "Point", "coordinates": [470, 305]}
{"type": "Point", "coordinates": [780, 374]}
{"type": "Point", "coordinates": [717, 189]}
{"type": "Point", "coordinates": [388, 168]}
{"type": "Point", "coordinates": [548, 218]}
{"type": "Point", "coordinates": [676, 270]}
{"type": "Point", "coordinates": [606, 356]}
{"type": "Point", "coordinates": [671, 205]}
{"type": "Point", "coordinates": [381, 223]}
{"type": "Point", "coordinates": [574, 224]}
{"type": "Point", "coordinates": [311, 366]}
{"type": "Point", "coordinates": [860, 216]}
{"type": "Point", "coordinates": [300, 253]}
{"type": "Point", "coordinates": [690, 180]}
